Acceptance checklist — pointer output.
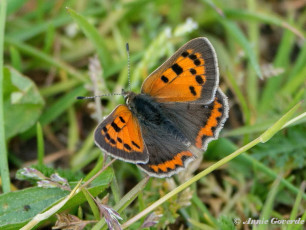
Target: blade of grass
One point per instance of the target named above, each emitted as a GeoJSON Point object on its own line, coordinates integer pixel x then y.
{"type": "Point", "coordinates": [251, 129]}
{"type": "Point", "coordinates": [268, 206]}
{"type": "Point", "coordinates": [15, 58]}
{"type": "Point", "coordinates": [93, 35]}
{"type": "Point", "coordinates": [269, 133]}
{"type": "Point", "coordinates": [295, 209]}
{"type": "Point", "coordinates": [251, 79]}
{"type": "Point", "coordinates": [92, 204]}
{"type": "Point", "coordinates": [61, 105]}
{"type": "Point", "coordinates": [262, 17]}
{"type": "Point", "coordinates": [45, 58]}
{"type": "Point", "coordinates": [200, 226]}
{"type": "Point", "coordinates": [297, 81]}
{"type": "Point", "coordinates": [56, 109]}
{"type": "Point", "coordinates": [5, 177]}
{"type": "Point", "coordinates": [204, 211]}
{"type": "Point", "coordinates": [32, 31]}
{"type": "Point", "coordinates": [234, 31]}
{"type": "Point", "coordinates": [299, 63]}
{"type": "Point", "coordinates": [59, 87]}
{"type": "Point", "coordinates": [73, 131]}
{"type": "Point", "coordinates": [282, 60]}
{"type": "Point", "coordinates": [40, 144]}
{"type": "Point", "coordinates": [240, 97]}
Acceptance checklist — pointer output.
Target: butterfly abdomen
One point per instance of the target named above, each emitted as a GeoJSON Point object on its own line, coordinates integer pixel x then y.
{"type": "Point", "coordinates": [151, 114]}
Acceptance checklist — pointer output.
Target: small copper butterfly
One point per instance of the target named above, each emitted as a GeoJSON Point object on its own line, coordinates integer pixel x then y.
{"type": "Point", "coordinates": [179, 110]}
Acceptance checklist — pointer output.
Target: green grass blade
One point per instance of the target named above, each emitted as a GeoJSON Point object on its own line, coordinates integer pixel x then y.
{"type": "Point", "coordinates": [92, 204]}
{"type": "Point", "coordinates": [297, 81]}
{"type": "Point", "coordinates": [240, 97]}
{"type": "Point", "coordinates": [40, 144]}
{"type": "Point", "coordinates": [238, 36]}
{"type": "Point", "coordinates": [57, 108]}
{"type": "Point", "coordinates": [263, 17]}
{"type": "Point", "coordinates": [268, 206]}
{"type": "Point", "coordinates": [45, 58]}
{"type": "Point", "coordinates": [297, 203]}
{"type": "Point", "coordinates": [267, 135]}
{"type": "Point", "coordinates": [29, 32]}
{"type": "Point", "coordinates": [281, 60]}
{"type": "Point", "coordinates": [5, 176]}
{"type": "Point", "coordinates": [93, 35]}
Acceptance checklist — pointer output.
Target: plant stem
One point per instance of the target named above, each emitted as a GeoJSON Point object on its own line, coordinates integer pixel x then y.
{"type": "Point", "coordinates": [191, 181]}
{"type": "Point", "coordinates": [98, 173]}
{"type": "Point", "coordinates": [3, 152]}
{"type": "Point", "coordinates": [262, 138]}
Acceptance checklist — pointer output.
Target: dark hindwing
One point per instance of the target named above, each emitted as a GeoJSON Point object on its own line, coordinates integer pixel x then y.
{"type": "Point", "coordinates": [200, 123]}
{"type": "Point", "coordinates": [119, 135]}
{"type": "Point", "coordinates": [167, 155]}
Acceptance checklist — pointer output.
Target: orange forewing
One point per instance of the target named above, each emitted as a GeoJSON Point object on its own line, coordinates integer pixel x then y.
{"type": "Point", "coordinates": [119, 135]}
{"type": "Point", "coordinates": [191, 74]}
{"type": "Point", "coordinates": [128, 131]}
{"type": "Point", "coordinates": [181, 82]}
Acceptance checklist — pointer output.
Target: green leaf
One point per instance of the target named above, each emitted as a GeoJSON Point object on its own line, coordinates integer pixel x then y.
{"type": "Point", "coordinates": [14, 5]}
{"type": "Point", "coordinates": [27, 203]}
{"type": "Point", "coordinates": [21, 100]}
{"type": "Point", "coordinates": [92, 34]}
{"type": "Point", "coordinates": [31, 201]}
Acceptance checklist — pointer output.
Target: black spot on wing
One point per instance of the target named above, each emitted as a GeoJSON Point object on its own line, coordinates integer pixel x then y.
{"type": "Point", "coordinates": [121, 119]}
{"type": "Point", "coordinates": [137, 146]}
{"type": "Point", "coordinates": [164, 79]}
{"type": "Point", "coordinates": [119, 140]}
{"type": "Point", "coordinates": [177, 69]}
{"type": "Point", "coordinates": [193, 71]}
{"type": "Point", "coordinates": [185, 54]}
{"type": "Point", "coordinates": [127, 147]}
{"type": "Point", "coordinates": [199, 79]}
{"type": "Point", "coordinates": [197, 62]}
{"type": "Point", "coordinates": [192, 57]}
{"type": "Point", "coordinates": [115, 126]}
{"type": "Point", "coordinates": [112, 141]}
{"type": "Point", "coordinates": [192, 90]}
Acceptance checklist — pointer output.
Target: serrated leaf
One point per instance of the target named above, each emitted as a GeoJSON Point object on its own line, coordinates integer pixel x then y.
{"type": "Point", "coordinates": [21, 100]}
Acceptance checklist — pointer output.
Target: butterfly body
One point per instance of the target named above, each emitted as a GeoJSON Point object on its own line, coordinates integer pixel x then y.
{"type": "Point", "coordinates": [179, 110]}
{"type": "Point", "coordinates": [151, 113]}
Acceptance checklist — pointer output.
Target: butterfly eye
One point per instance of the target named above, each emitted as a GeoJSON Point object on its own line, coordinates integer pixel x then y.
{"type": "Point", "coordinates": [127, 101]}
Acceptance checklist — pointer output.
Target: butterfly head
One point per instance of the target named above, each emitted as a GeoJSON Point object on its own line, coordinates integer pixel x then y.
{"type": "Point", "coordinates": [128, 97]}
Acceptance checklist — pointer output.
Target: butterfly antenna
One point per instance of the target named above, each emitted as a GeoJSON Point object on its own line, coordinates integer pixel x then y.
{"type": "Point", "coordinates": [128, 59]}
{"type": "Point", "coordinates": [104, 95]}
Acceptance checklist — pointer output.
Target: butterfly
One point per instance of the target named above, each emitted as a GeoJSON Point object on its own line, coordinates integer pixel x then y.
{"type": "Point", "coordinates": [179, 110]}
